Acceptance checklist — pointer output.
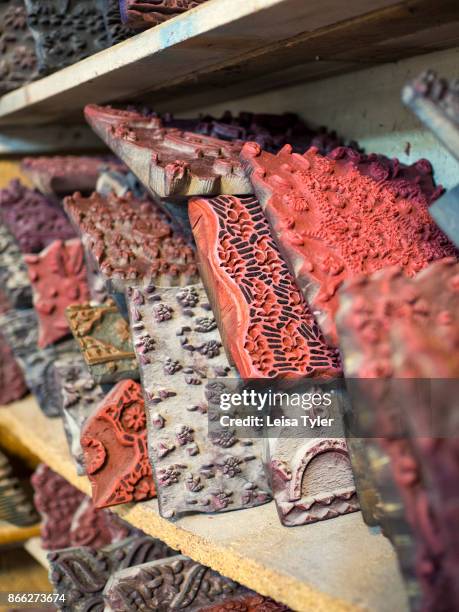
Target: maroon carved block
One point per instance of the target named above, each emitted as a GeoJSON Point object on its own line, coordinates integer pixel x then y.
{"type": "Point", "coordinates": [265, 322]}
{"type": "Point", "coordinates": [96, 528]}
{"type": "Point", "coordinates": [57, 501]}
{"type": "Point", "coordinates": [131, 241]}
{"type": "Point", "coordinates": [63, 175]}
{"type": "Point", "coordinates": [143, 14]}
{"type": "Point", "coordinates": [393, 328]}
{"type": "Point", "coordinates": [168, 584]}
{"type": "Point", "coordinates": [58, 278]}
{"type": "Point", "coordinates": [247, 603]}
{"type": "Point", "coordinates": [34, 220]}
{"type": "Point", "coordinates": [79, 574]}
{"type": "Point", "coordinates": [170, 162]}
{"type": "Point", "coordinates": [12, 383]}
{"type": "Point", "coordinates": [333, 222]}
{"type": "Point", "coordinates": [114, 442]}
{"type": "Point", "coordinates": [18, 61]}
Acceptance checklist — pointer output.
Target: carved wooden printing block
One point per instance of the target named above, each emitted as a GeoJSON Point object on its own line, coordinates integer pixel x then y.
{"type": "Point", "coordinates": [34, 220]}
{"type": "Point", "coordinates": [80, 396]}
{"type": "Point", "coordinates": [82, 573]}
{"type": "Point", "coordinates": [385, 323]}
{"type": "Point", "coordinates": [19, 327]}
{"type": "Point", "coordinates": [58, 277]}
{"type": "Point", "coordinates": [143, 14]}
{"type": "Point", "coordinates": [14, 279]}
{"type": "Point", "coordinates": [333, 223]}
{"type": "Point", "coordinates": [247, 603]}
{"type": "Point", "coordinates": [114, 442]}
{"type": "Point", "coordinates": [179, 349]}
{"type": "Point", "coordinates": [12, 383]}
{"type": "Point", "coordinates": [16, 505]}
{"type": "Point", "coordinates": [170, 162]}
{"type": "Point", "coordinates": [18, 62]}
{"type": "Point", "coordinates": [104, 339]}
{"type": "Point", "coordinates": [131, 241]}
{"type": "Point", "coordinates": [175, 583]}
{"type": "Point", "coordinates": [63, 175]}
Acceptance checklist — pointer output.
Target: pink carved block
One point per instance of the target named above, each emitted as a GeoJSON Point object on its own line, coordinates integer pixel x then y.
{"type": "Point", "coordinates": [334, 221]}
{"type": "Point", "coordinates": [168, 161]}
{"type": "Point", "coordinates": [58, 277]}
{"type": "Point", "coordinates": [114, 442]}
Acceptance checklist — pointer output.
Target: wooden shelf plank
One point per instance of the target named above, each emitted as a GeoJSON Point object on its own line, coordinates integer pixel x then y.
{"type": "Point", "coordinates": [241, 41]}
{"type": "Point", "coordinates": [338, 564]}
{"type": "Point", "coordinates": [12, 534]}
{"type": "Point", "coordinates": [34, 548]}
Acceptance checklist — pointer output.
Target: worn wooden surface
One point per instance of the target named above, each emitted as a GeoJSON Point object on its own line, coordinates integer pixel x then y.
{"type": "Point", "coordinates": [337, 565]}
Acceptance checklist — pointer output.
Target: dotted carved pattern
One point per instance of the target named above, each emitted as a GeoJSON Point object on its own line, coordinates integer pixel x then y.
{"type": "Point", "coordinates": [32, 218]}
{"type": "Point", "coordinates": [131, 240]}
{"type": "Point", "coordinates": [58, 277]}
{"type": "Point", "coordinates": [82, 573]}
{"type": "Point", "coordinates": [104, 338]}
{"type": "Point", "coordinates": [18, 62]}
{"type": "Point", "coordinates": [114, 442]}
{"type": "Point", "coordinates": [142, 14]}
{"type": "Point", "coordinates": [334, 222]}
{"type": "Point", "coordinates": [281, 337]}
{"type": "Point", "coordinates": [179, 351]}
{"type": "Point", "coordinates": [181, 162]}
{"type": "Point", "coordinates": [385, 323]}
{"type": "Point", "coordinates": [169, 584]}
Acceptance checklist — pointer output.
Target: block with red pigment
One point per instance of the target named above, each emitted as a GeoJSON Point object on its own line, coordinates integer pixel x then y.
{"type": "Point", "coordinates": [79, 396]}
{"type": "Point", "coordinates": [69, 517]}
{"type": "Point", "coordinates": [131, 241]}
{"type": "Point", "coordinates": [333, 222]}
{"type": "Point", "coordinates": [104, 339]}
{"type": "Point", "coordinates": [80, 574]}
{"type": "Point", "coordinates": [143, 14]}
{"type": "Point", "coordinates": [34, 220]}
{"type": "Point", "coordinates": [270, 331]}
{"type": "Point", "coordinates": [14, 280]}
{"type": "Point", "coordinates": [179, 352]}
{"type": "Point", "coordinates": [58, 277]}
{"type": "Point", "coordinates": [65, 174]}
{"type": "Point", "coordinates": [174, 583]}
{"type": "Point", "coordinates": [392, 329]}
{"type": "Point", "coordinates": [114, 442]}
{"type": "Point", "coordinates": [247, 603]}
{"type": "Point", "coordinates": [168, 161]}
{"type": "Point", "coordinates": [18, 60]}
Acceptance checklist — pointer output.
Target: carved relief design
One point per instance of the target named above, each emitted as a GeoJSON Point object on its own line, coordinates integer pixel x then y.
{"type": "Point", "coordinates": [249, 603]}
{"type": "Point", "coordinates": [179, 351]}
{"type": "Point", "coordinates": [114, 442]}
{"type": "Point", "coordinates": [34, 220]}
{"type": "Point", "coordinates": [105, 341]}
{"type": "Point", "coordinates": [391, 328]}
{"type": "Point", "coordinates": [16, 504]}
{"type": "Point", "coordinates": [168, 161]}
{"type": "Point", "coordinates": [143, 14]}
{"type": "Point", "coordinates": [58, 277]}
{"type": "Point", "coordinates": [333, 222]}
{"type": "Point", "coordinates": [131, 241]}
{"type": "Point", "coordinates": [66, 31]}
{"type": "Point", "coordinates": [176, 583]}
{"type": "Point", "coordinates": [82, 573]}
{"type": "Point", "coordinates": [18, 62]}
{"type": "Point", "coordinates": [265, 322]}
{"type": "Point", "coordinates": [14, 279]}
{"type": "Point", "coordinates": [79, 396]}
{"type": "Point", "coordinates": [63, 175]}
{"type": "Point", "coordinates": [12, 383]}
{"type": "Point", "coordinates": [97, 528]}
{"type": "Point", "coordinates": [20, 329]}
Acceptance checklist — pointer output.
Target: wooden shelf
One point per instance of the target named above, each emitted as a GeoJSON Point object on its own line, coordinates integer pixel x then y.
{"type": "Point", "coordinates": [338, 564]}
{"type": "Point", "coordinates": [12, 534]}
{"type": "Point", "coordinates": [35, 550]}
{"type": "Point", "coordinates": [227, 48]}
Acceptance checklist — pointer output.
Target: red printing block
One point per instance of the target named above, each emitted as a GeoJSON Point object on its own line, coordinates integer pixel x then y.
{"type": "Point", "coordinates": [168, 161]}
{"type": "Point", "coordinates": [143, 14]}
{"type": "Point", "coordinates": [58, 277]}
{"type": "Point", "coordinates": [131, 241]}
{"type": "Point", "coordinates": [265, 322]}
{"type": "Point", "coordinates": [247, 603]}
{"type": "Point", "coordinates": [63, 175]}
{"type": "Point", "coordinates": [114, 442]}
{"type": "Point", "coordinates": [334, 223]}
